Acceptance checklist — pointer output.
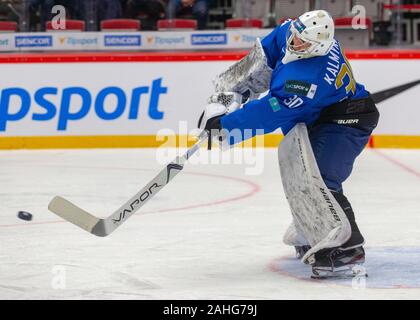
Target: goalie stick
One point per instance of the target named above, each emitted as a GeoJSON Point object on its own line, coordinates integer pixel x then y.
{"type": "Point", "coordinates": [103, 227]}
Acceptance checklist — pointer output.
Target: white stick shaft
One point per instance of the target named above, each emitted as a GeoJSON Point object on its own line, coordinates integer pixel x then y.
{"type": "Point", "coordinates": [104, 227]}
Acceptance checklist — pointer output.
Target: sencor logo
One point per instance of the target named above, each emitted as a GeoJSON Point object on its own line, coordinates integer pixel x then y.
{"type": "Point", "coordinates": [75, 103]}
{"type": "Point", "coordinates": [203, 39]}
{"type": "Point", "coordinates": [33, 41]}
{"type": "Point", "coordinates": [122, 40]}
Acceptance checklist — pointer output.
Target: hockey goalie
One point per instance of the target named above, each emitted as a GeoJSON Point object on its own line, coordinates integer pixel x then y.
{"type": "Point", "coordinates": [327, 118]}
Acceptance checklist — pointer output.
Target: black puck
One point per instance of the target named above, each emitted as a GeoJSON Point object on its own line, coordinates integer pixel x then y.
{"type": "Point", "coordinates": [25, 215]}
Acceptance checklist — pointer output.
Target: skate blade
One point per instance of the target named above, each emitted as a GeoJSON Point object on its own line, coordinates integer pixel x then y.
{"type": "Point", "coordinates": [350, 271]}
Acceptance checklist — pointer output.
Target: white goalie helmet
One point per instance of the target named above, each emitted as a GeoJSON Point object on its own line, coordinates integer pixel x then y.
{"type": "Point", "coordinates": [310, 35]}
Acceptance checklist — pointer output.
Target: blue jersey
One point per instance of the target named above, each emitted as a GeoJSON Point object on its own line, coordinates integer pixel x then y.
{"type": "Point", "coordinates": [299, 90]}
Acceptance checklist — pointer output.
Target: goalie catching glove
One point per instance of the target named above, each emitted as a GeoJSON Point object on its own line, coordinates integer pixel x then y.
{"type": "Point", "coordinates": [219, 105]}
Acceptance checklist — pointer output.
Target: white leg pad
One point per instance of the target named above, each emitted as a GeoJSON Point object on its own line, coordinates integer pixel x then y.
{"type": "Point", "coordinates": [315, 211]}
{"type": "Point", "coordinates": [294, 236]}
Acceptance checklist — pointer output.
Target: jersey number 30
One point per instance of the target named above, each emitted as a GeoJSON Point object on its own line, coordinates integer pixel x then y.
{"type": "Point", "coordinates": [345, 70]}
{"type": "Point", "coordinates": [293, 102]}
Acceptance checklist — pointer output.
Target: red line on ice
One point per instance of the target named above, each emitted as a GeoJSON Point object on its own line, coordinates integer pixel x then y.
{"type": "Point", "coordinates": [398, 163]}
{"type": "Point", "coordinates": [255, 188]}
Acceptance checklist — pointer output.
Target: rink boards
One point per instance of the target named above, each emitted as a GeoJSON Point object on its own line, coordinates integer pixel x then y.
{"type": "Point", "coordinates": [94, 100]}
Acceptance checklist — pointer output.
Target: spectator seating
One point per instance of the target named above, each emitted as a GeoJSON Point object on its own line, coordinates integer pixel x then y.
{"type": "Point", "coordinates": [70, 25]}
{"type": "Point", "coordinates": [416, 33]}
{"type": "Point", "coordinates": [8, 26]}
{"type": "Point", "coordinates": [219, 12]}
{"type": "Point", "coordinates": [409, 13]}
{"type": "Point", "coordinates": [283, 19]}
{"type": "Point", "coordinates": [344, 22]}
{"type": "Point", "coordinates": [171, 24]}
{"type": "Point", "coordinates": [337, 8]}
{"type": "Point", "coordinates": [406, 27]}
{"type": "Point", "coordinates": [244, 23]}
{"type": "Point", "coordinates": [374, 8]}
{"type": "Point", "coordinates": [290, 8]}
{"type": "Point", "coordinates": [353, 36]}
{"type": "Point", "coordinates": [120, 25]}
{"type": "Point", "coordinates": [255, 9]}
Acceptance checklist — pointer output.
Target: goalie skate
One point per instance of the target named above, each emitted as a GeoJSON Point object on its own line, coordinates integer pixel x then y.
{"type": "Point", "coordinates": [339, 263]}
{"type": "Point", "coordinates": [301, 251]}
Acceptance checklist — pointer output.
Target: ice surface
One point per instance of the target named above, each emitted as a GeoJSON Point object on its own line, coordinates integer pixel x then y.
{"type": "Point", "coordinates": [212, 233]}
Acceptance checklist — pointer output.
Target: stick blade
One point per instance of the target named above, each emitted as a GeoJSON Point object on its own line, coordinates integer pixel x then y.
{"type": "Point", "coordinates": [72, 213]}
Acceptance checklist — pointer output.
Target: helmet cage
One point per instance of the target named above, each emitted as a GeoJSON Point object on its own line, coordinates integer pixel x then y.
{"type": "Point", "coordinates": [307, 47]}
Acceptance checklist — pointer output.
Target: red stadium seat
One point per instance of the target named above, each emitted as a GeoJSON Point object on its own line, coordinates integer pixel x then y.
{"type": "Point", "coordinates": [120, 25]}
{"type": "Point", "coordinates": [283, 19]}
{"type": "Point", "coordinates": [334, 7]}
{"type": "Point", "coordinates": [346, 22]}
{"type": "Point", "coordinates": [340, 22]}
{"type": "Point", "coordinates": [244, 23]}
{"type": "Point", "coordinates": [8, 26]}
{"type": "Point", "coordinates": [353, 36]}
{"type": "Point", "coordinates": [291, 8]}
{"type": "Point", "coordinates": [70, 25]}
{"type": "Point", "coordinates": [170, 24]}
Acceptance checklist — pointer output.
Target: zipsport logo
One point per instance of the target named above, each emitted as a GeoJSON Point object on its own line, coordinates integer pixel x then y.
{"type": "Point", "coordinates": [122, 40]}
{"type": "Point", "coordinates": [206, 39]}
{"type": "Point", "coordinates": [75, 103]}
{"type": "Point", "coordinates": [159, 40]}
{"type": "Point", "coordinates": [248, 38]}
{"type": "Point", "coordinates": [76, 41]}
{"type": "Point", "coordinates": [33, 41]}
